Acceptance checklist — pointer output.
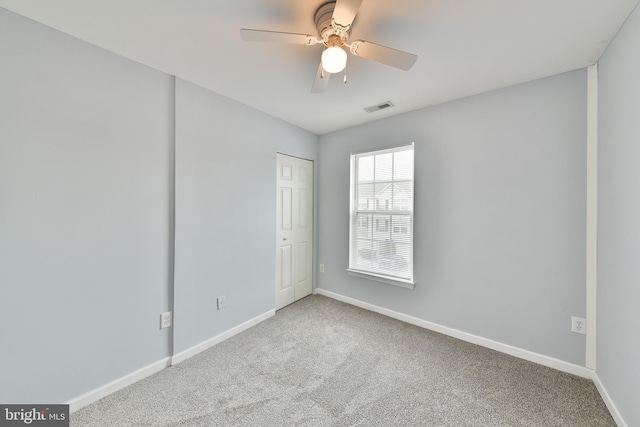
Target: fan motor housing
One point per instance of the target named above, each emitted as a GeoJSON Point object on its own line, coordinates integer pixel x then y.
{"type": "Point", "coordinates": [330, 33]}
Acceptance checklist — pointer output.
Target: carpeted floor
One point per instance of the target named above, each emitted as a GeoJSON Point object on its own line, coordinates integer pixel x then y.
{"type": "Point", "coordinates": [320, 362]}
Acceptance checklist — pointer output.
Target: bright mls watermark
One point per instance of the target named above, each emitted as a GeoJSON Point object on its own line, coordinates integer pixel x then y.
{"type": "Point", "coordinates": [34, 415]}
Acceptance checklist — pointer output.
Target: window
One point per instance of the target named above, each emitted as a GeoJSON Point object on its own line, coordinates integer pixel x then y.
{"type": "Point", "coordinates": [363, 222]}
{"type": "Point", "coordinates": [401, 230]}
{"type": "Point", "coordinates": [381, 230]}
{"type": "Point", "coordinates": [382, 224]}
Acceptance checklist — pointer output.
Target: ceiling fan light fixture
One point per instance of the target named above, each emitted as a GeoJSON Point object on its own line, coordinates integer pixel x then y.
{"type": "Point", "coordinates": [334, 59]}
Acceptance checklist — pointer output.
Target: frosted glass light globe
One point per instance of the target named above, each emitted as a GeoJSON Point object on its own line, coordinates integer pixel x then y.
{"type": "Point", "coordinates": [334, 59]}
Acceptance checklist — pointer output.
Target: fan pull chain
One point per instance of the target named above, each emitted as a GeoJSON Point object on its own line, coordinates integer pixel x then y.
{"type": "Point", "coordinates": [322, 73]}
{"type": "Point", "coordinates": [345, 75]}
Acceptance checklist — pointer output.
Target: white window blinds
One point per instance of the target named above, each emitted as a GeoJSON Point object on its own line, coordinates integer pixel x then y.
{"type": "Point", "coordinates": [381, 230]}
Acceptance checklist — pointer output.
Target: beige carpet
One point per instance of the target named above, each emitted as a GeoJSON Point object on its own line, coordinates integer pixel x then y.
{"type": "Point", "coordinates": [320, 362]}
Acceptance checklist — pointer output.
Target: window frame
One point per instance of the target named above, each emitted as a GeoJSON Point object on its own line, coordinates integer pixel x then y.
{"type": "Point", "coordinates": [355, 209]}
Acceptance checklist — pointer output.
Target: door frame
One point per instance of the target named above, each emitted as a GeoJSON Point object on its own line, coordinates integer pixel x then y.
{"type": "Point", "coordinates": [312, 229]}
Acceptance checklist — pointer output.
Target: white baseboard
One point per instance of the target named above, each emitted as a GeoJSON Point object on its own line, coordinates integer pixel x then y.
{"type": "Point", "coordinates": [613, 409]}
{"type": "Point", "coordinates": [120, 383]}
{"type": "Point", "coordinates": [540, 359]}
{"type": "Point", "coordinates": [127, 380]}
{"type": "Point", "coordinates": [184, 355]}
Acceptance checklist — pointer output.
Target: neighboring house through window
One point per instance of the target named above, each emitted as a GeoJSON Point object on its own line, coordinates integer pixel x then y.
{"type": "Point", "coordinates": [381, 228]}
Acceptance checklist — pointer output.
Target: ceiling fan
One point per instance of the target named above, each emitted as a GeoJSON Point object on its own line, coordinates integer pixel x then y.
{"type": "Point", "coordinates": [333, 21]}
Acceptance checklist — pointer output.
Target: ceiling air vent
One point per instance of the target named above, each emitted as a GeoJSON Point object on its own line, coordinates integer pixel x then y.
{"type": "Point", "coordinates": [379, 107]}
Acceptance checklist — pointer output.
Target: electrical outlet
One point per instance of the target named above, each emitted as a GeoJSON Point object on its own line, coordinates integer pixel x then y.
{"type": "Point", "coordinates": [578, 325]}
{"type": "Point", "coordinates": [165, 320]}
{"type": "Point", "coordinates": [222, 302]}
{"type": "Point", "coordinates": [321, 268]}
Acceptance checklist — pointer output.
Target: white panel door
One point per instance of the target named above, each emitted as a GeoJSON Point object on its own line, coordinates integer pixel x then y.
{"type": "Point", "coordinates": [294, 229]}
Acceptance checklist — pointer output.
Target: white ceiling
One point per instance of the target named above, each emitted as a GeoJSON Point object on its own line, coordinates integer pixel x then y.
{"type": "Point", "coordinates": [464, 47]}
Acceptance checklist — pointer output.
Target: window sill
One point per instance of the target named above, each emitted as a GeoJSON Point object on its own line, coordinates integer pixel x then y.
{"type": "Point", "coordinates": [384, 279]}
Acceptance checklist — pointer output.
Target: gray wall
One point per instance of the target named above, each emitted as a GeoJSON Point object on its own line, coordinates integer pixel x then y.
{"type": "Point", "coordinates": [619, 221]}
{"type": "Point", "coordinates": [225, 210]}
{"type": "Point", "coordinates": [500, 214]}
{"type": "Point", "coordinates": [85, 204]}
{"type": "Point", "coordinates": [86, 213]}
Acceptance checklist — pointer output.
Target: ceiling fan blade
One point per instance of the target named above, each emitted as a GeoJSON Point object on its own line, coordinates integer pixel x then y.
{"type": "Point", "coordinates": [277, 37]}
{"type": "Point", "coordinates": [321, 81]}
{"type": "Point", "coordinates": [345, 11]}
{"type": "Point", "coordinates": [386, 55]}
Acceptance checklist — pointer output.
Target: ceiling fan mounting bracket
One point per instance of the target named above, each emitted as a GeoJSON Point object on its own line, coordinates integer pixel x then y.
{"type": "Point", "coordinates": [343, 29]}
{"type": "Point", "coordinates": [354, 47]}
